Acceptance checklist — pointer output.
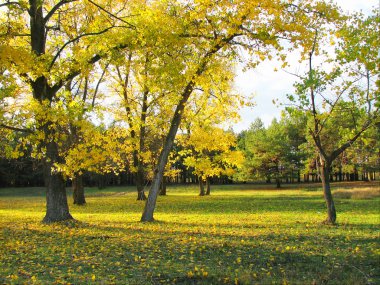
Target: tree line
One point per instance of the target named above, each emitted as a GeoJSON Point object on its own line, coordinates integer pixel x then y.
{"type": "Point", "coordinates": [90, 87]}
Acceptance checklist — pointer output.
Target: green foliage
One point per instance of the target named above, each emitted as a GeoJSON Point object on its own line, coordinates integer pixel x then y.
{"type": "Point", "coordinates": [243, 234]}
{"type": "Point", "coordinates": [273, 152]}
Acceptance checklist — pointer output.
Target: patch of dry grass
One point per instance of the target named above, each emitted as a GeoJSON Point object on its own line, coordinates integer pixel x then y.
{"type": "Point", "coordinates": [364, 193]}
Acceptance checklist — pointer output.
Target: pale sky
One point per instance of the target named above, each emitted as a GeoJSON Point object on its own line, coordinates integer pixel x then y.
{"type": "Point", "coordinates": [267, 85]}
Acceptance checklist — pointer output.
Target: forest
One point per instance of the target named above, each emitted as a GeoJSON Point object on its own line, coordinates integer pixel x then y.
{"type": "Point", "coordinates": [133, 103]}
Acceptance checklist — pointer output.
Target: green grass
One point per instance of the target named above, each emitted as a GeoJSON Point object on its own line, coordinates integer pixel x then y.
{"type": "Point", "coordinates": [241, 234]}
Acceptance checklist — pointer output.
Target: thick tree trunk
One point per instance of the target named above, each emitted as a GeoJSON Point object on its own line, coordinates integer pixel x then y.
{"type": "Point", "coordinates": [201, 187]}
{"type": "Point", "coordinates": [208, 187]}
{"type": "Point", "coordinates": [78, 190]}
{"type": "Point", "coordinates": [325, 175]}
{"type": "Point", "coordinates": [57, 208]}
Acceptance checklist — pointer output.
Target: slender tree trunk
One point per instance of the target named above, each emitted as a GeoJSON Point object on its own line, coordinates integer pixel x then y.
{"type": "Point", "coordinates": [208, 187]}
{"type": "Point", "coordinates": [163, 187]}
{"type": "Point", "coordinates": [201, 187]}
{"type": "Point", "coordinates": [278, 183]}
{"type": "Point", "coordinates": [278, 180]}
{"type": "Point", "coordinates": [139, 179]}
{"type": "Point", "coordinates": [57, 208]}
{"type": "Point", "coordinates": [325, 175]}
{"type": "Point", "coordinates": [150, 205]}
{"type": "Point", "coordinates": [78, 190]}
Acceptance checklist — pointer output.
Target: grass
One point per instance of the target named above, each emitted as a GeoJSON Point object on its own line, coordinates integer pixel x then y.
{"type": "Point", "coordinates": [241, 234]}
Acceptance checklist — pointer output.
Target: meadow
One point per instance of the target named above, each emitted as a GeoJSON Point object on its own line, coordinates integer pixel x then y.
{"type": "Point", "coordinates": [241, 234]}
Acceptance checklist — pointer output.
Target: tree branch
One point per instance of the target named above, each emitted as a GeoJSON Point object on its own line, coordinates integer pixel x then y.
{"type": "Point", "coordinates": [98, 84]}
{"type": "Point", "coordinates": [111, 14]}
{"type": "Point", "coordinates": [11, 3]}
{"type": "Point", "coordinates": [16, 129]}
{"type": "Point", "coordinates": [344, 146]}
{"type": "Point", "coordinates": [55, 8]}
{"type": "Point", "coordinates": [75, 39]}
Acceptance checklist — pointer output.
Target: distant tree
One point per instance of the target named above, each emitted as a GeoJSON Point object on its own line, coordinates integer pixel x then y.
{"type": "Point", "coordinates": [210, 152]}
{"type": "Point", "coordinates": [267, 151]}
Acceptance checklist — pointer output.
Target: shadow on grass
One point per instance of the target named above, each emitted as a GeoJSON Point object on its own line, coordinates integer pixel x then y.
{"type": "Point", "coordinates": [169, 255]}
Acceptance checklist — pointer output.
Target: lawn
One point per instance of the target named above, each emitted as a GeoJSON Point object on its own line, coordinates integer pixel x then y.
{"type": "Point", "coordinates": [241, 234]}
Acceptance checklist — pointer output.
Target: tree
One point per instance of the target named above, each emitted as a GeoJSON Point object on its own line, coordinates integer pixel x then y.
{"type": "Point", "coordinates": [42, 55]}
{"type": "Point", "coordinates": [207, 32]}
{"type": "Point", "coordinates": [341, 99]}
{"type": "Point", "coordinates": [268, 151]}
{"type": "Point", "coordinates": [209, 152]}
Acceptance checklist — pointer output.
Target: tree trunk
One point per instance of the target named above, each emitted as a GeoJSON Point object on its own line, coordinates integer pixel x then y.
{"type": "Point", "coordinates": [140, 184]}
{"type": "Point", "coordinates": [57, 208]}
{"type": "Point", "coordinates": [150, 205]}
{"type": "Point", "coordinates": [325, 175]}
{"type": "Point", "coordinates": [201, 187]}
{"type": "Point", "coordinates": [163, 187]}
{"type": "Point", "coordinates": [278, 183]}
{"type": "Point", "coordinates": [208, 187]}
{"type": "Point", "coordinates": [78, 190]}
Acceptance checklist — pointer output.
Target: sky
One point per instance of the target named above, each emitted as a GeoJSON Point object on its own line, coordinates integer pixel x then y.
{"type": "Point", "coordinates": [267, 85]}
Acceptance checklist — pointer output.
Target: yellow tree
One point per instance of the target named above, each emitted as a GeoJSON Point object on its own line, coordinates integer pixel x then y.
{"type": "Point", "coordinates": [142, 106]}
{"type": "Point", "coordinates": [210, 152]}
{"type": "Point", "coordinates": [206, 31]}
{"type": "Point", "coordinates": [45, 48]}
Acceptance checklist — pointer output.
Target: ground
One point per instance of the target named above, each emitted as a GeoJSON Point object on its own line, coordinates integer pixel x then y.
{"type": "Point", "coordinates": [241, 234]}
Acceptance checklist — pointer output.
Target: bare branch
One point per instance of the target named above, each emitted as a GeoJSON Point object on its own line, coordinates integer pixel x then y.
{"type": "Point", "coordinates": [294, 74]}
{"type": "Point", "coordinates": [98, 84]}
{"type": "Point", "coordinates": [15, 35]}
{"type": "Point", "coordinates": [16, 129]}
{"type": "Point", "coordinates": [55, 8]}
{"type": "Point", "coordinates": [111, 14]}
{"type": "Point", "coordinates": [75, 39]}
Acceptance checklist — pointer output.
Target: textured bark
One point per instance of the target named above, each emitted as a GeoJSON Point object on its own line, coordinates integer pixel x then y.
{"type": "Point", "coordinates": [208, 187]}
{"type": "Point", "coordinates": [78, 190]}
{"type": "Point", "coordinates": [57, 208]}
{"type": "Point", "coordinates": [201, 187]}
{"type": "Point", "coordinates": [163, 187]}
{"type": "Point", "coordinates": [139, 178]}
{"type": "Point", "coordinates": [325, 176]}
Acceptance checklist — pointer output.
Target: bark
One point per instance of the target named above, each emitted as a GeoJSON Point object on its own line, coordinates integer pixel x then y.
{"type": "Point", "coordinates": [201, 187]}
{"type": "Point", "coordinates": [325, 176]}
{"type": "Point", "coordinates": [163, 187]}
{"type": "Point", "coordinates": [57, 208]}
{"type": "Point", "coordinates": [208, 187]}
{"type": "Point", "coordinates": [139, 178]}
{"type": "Point", "coordinates": [138, 162]}
{"type": "Point", "coordinates": [278, 183]}
{"type": "Point", "coordinates": [150, 205]}
{"type": "Point", "coordinates": [141, 195]}
{"type": "Point", "coordinates": [78, 190]}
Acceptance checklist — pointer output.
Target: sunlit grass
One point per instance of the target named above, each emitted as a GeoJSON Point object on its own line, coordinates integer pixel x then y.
{"type": "Point", "coordinates": [241, 234]}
